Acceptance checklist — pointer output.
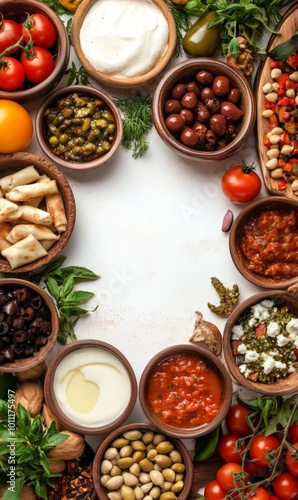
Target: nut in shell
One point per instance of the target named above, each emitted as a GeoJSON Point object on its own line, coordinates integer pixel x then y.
{"type": "Point", "coordinates": [72, 448]}
{"type": "Point", "coordinates": [30, 396]}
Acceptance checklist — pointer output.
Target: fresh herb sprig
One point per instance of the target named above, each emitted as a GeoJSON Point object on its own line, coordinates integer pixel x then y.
{"type": "Point", "coordinates": [137, 122]}
{"type": "Point", "coordinates": [24, 446]}
{"type": "Point", "coordinates": [77, 75]}
{"type": "Point", "coordinates": [56, 6]}
{"type": "Point", "coordinates": [60, 283]}
{"type": "Point", "coordinates": [182, 22]}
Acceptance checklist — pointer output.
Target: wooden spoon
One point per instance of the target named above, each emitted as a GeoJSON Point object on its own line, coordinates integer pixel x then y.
{"type": "Point", "coordinates": [286, 27]}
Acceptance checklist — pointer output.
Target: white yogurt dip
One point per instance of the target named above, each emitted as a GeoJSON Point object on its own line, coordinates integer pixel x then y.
{"type": "Point", "coordinates": [124, 38]}
{"type": "Point", "coordinates": [92, 387]}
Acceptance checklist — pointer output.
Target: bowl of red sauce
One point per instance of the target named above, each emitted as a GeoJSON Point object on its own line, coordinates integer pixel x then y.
{"type": "Point", "coordinates": [263, 242]}
{"type": "Point", "coordinates": [185, 391]}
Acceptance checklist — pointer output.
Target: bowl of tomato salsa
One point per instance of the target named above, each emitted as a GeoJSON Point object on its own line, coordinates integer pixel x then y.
{"type": "Point", "coordinates": [263, 242]}
{"type": "Point", "coordinates": [185, 391]}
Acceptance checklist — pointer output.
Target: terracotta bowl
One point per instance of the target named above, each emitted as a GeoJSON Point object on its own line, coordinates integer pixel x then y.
{"type": "Point", "coordinates": [220, 380]}
{"type": "Point", "coordinates": [17, 161]}
{"type": "Point", "coordinates": [17, 11]}
{"type": "Point", "coordinates": [21, 302]}
{"type": "Point", "coordinates": [283, 386]}
{"type": "Point", "coordinates": [250, 212]}
{"type": "Point", "coordinates": [185, 73]}
{"type": "Point", "coordinates": [145, 429]}
{"type": "Point", "coordinates": [66, 412]}
{"type": "Point", "coordinates": [43, 135]}
{"type": "Point", "coordinates": [125, 82]}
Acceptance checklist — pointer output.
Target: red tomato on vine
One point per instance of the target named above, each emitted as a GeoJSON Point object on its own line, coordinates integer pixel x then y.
{"type": "Point", "coordinates": [292, 460]}
{"type": "Point", "coordinates": [286, 486]}
{"type": "Point", "coordinates": [260, 445]}
{"type": "Point", "coordinates": [241, 183]}
{"type": "Point", "coordinates": [12, 74]}
{"type": "Point", "coordinates": [228, 448]}
{"type": "Point", "coordinates": [38, 64]}
{"type": "Point", "coordinates": [40, 29]}
{"type": "Point", "coordinates": [213, 491]}
{"type": "Point", "coordinates": [236, 420]}
{"type": "Point", "coordinates": [10, 34]}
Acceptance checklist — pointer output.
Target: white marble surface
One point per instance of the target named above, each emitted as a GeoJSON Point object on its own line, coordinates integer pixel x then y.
{"type": "Point", "coordinates": [151, 228]}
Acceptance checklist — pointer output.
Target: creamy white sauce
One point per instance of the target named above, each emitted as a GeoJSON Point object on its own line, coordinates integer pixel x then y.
{"type": "Point", "coordinates": [124, 38]}
{"type": "Point", "coordinates": [92, 387]}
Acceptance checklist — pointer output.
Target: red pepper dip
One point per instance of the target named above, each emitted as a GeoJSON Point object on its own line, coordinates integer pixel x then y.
{"type": "Point", "coordinates": [270, 244]}
{"type": "Point", "coordinates": [185, 391]}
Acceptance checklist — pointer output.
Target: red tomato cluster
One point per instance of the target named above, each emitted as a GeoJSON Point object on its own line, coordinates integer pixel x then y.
{"type": "Point", "coordinates": [29, 61]}
{"type": "Point", "coordinates": [234, 474]}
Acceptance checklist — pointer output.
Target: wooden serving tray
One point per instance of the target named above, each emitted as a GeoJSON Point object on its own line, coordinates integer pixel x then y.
{"type": "Point", "coordinates": [286, 27]}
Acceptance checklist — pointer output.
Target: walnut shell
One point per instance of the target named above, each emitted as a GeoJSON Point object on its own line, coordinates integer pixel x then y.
{"type": "Point", "coordinates": [72, 448]}
{"type": "Point", "coordinates": [34, 373]}
{"type": "Point", "coordinates": [30, 396]}
{"type": "Point", "coordinates": [57, 466]}
{"type": "Point", "coordinates": [48, 417]}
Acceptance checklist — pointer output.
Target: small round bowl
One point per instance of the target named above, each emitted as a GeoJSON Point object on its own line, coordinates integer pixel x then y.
{"type": "Point", "coordinates": [18, 11]}
{"type": "Point", "coordinates": [283, 386]}
{"type": "Point", "coordinates": [145, 429]}
{"type": "Point", "coordinates": [203, 362]}
{"type": "Point", "coordinates": [125, 82]}
{"type": "Point", "coordinates": [249, 213]}
{"type": "Point", "coordinates": [93, 93]}
{"type": "Point", "coordinates": [185, 72]}
{"type": "Point", "coordinates": [106, 371]}
{"type": "Point", "coordinates": [17, 161]}
{"type": "Point", "coordinates": [21, 364]}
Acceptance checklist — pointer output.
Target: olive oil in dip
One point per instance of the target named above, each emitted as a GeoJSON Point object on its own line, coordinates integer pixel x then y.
{"type": "Point", "coordinates": [81, 394]}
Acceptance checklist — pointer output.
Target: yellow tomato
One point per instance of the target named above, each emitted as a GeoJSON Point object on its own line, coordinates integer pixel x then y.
{"type": "Point", "coordinates": [16, 127]}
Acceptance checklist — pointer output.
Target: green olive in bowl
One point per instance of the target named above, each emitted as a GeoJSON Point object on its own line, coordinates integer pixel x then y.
{"type": "Point", "coordinates": [200, 40]}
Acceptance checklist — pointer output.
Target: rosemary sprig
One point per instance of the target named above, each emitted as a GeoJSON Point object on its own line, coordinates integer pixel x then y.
{"type": "Point", "coordinates": [137, 121]}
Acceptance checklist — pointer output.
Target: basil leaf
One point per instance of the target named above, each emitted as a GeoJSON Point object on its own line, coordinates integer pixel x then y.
{"type": "Point", "coordinates": [44, 462]}
{"type": "Point", "coordinates": [36, 431]}
{"type": "Point", "coordinates": [16, 493]}
{"type": "Point", "coordinates": [3, 410]}
{"type": "Point", "coordinates": [5, 435]}
{"type": "Point", "coordinates": [67, 286]}
{"type": "Point", "coordinates": [53, 287]}
{"type": "Point", "coordinates": [55, 440]}
{"type": "Point", "coordinates": [40, 490]}
{"type": "Point", "coordinates": [206, 445]}
{"type": "Point", "coordinates": [81, 272]}
{"type": "Point", "coordinates": [72, 311]}
{"type": "Point", "coordinates": [4, 449]}
{"type": "Point", "coordinates": [78, 297]}
{"type": "Point", "coordinates": [23, 419]}
{"type": "Point", "coordinates": [284, 50]}
{"type": "Point", "coordinates": [56, 264]}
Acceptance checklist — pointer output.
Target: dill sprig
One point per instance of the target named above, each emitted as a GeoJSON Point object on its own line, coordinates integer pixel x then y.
{"type": "Point", "coordinates": [181, 18]}
{"type": "Point", "coordinates": [137, 121]}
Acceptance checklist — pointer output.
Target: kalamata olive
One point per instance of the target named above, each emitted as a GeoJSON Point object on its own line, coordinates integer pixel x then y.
{"type": "Point", "coordinates": [27, 313]}
{"type": "Point", "coordinates": [230, 111]}
{"type": "Point", "coordinates": [10, 308]}
{"type": "Point", "coordinates": [18, 323]}
{"type": "Point", "coordinates": [172, 106]}
{"type": "Point", "coordinates": [36, 302]}
{"type": "Point", "coordinates": [221, 85]}
{"type": "Point", "coordinates": [203, 114]}
{"type": "Point", "coordinates": [188, 115]}
{"type": "Point", "coordinates": [22, 294]}
{"type": "Point", "coordinates": [193, 87]}
{"type": "Point", "coordinates": [200, 40]}
{"type": "Point", "coordinates": [189, 100]}
{"type": "Point", "coordinates": [211, 137]}
{"type": "Point", "coordinates": [8, 354]}
{"type": "Point", "coordinates": [188, 137]}
{"type": "Point", "coordinates": [40, 340]}
{"type": "Point", "coordinates": [3, 297]}
{"type": "Point", "coordinates": [3, 328]}
{"type": "Point", "coordinates": [19, 337]}
{"type": "Point", "coordinates": [218, 124]}
{"type": "Point", "coordinates": [178, 91]}
{"type": "Point", "coordinates": [200, 130]}
{"type": "Point", "coordinates": [234, 95]}
{"type": "Point", "coordinates": [204, 77]}
{"type": "Point", "coordinates": [175, 122]}
{"type": "Point", "coordinates": [28, 351]}
{"type": "Point", "coordinates": [207, 93]}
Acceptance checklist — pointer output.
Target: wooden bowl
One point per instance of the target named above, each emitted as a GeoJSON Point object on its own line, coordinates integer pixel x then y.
{"type": "Point", "coordinates": [125, 82]}
{"type": "Point", "coordinates": [217, 370]}
{"type": "Point", "coordinates": [22, 364]}
{"type": "Point", "coordinates": [252, 210]}
{"type": "Point", "coordinates": [284, 386]}
{"type": "Point", "coordinates": [286, 29]}
{"type": "Point", "coordinates": [185, 72]}
{"type": "Point", "coordinates": [72, 353]}
{"type": "Point", "coordinates": [83, 90]}
{"type": "Point", "coordinates": [17, 11]}
{"type": "Point", "coordinates": [102, 492]}
{"type": "Point", "coordinates": [17, 161]}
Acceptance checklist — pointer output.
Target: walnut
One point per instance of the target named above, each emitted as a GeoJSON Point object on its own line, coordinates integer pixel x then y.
{"type": "Point", "coordinates": [29, 395]}
{"type": "Point", "coordinates": [48, 417]}
{"type": "Point", "coordinates": [72, 448]}
{"type": "Point", "coordinates": [34, 373]}
{"type": "Point", "coordinates": [244, 60]}
{"type": "Point", "coordinates": [57, 466]}
{"type": "Point", "coordinates": [208, 334]}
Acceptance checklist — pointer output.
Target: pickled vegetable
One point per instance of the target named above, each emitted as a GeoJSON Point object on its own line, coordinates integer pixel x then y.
{"type": "Point", "coordinates": [201, 41]}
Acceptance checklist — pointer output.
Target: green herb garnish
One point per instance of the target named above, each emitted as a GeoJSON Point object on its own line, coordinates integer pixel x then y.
{"type": "Point", "coordinates": [286, 49]}
{"type": "Point", "coordinates": [182, 22]}
{"type": "Point", "coordinates": [137, 121]}
{"type": "Point", "coordinates": [77, 75]}
{"type": "Point", "coordinates": [56, 6]}
{"type": "Point", "coordinates": [23, 449]}
{"type": "Point", "coordinates": [60, 283]}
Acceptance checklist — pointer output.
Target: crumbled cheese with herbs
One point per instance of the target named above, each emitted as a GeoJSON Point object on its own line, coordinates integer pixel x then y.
{"type": "Point", "coordinates": [266, 354]}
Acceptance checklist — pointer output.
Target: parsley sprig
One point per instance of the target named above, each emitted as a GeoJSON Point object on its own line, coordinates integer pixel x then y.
{"type": "Point", "coordinates": [26, 443]}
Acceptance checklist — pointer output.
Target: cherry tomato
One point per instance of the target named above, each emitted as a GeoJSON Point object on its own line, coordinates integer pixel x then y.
{"type": "Point", "coordinates": [260, 445]}
{"type": "Point", "coordinates": [293, 432]}
{"type": "Point", "coordinates": [12, 74]}
{"type": "Point", "coordinates": [225, 475]}
{"type": "Point", "coordinates": [260, 494]}
{"type": "Point", "coordinates": [213, 491]}
{"type": "Point", "coordinates": [10, 33]}
{"type": "Point", "coordinates": [291, 463]}
{"type": "Point", "coordinates": [38, 67]}
{"type": "Point", "coordinates": [236, 420]}
{"type": "Point", "coordinates": [241, 183]}
{"type": "Point", "coordinates": [40, 29]}
{"type": "Point", "coordinates": [16, 127]}
{"type": "Point", "coordinates": [285, 486]}
{"type": "Point", "coordinates": [228, 450]}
